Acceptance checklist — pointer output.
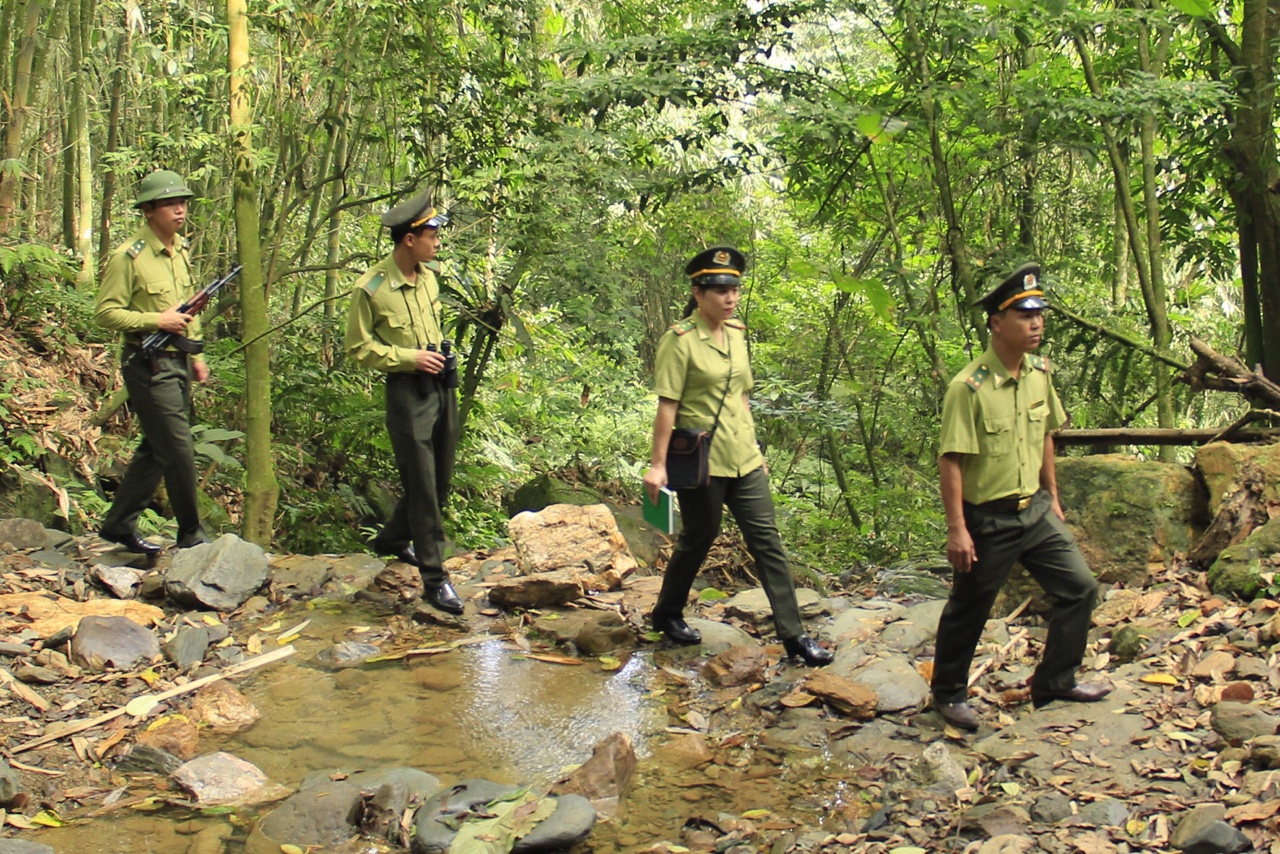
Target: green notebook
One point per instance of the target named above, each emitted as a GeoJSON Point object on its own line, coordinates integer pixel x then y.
{"type": "Point", "coordinates": [663, 514]}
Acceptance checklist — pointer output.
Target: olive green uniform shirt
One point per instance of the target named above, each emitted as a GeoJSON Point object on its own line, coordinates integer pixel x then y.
{"type": "Point", "coordinates": [391, 319]}
{"type": "Point", "coordinates": [692, 368]}
{"type": "Point", "coordinates": [999, 424]}
{"type": "Point", "coordinates": [142, 280]}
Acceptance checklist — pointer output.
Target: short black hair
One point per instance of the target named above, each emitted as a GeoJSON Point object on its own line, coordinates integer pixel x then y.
{"type": "Point", "coordinates": [400, 232]}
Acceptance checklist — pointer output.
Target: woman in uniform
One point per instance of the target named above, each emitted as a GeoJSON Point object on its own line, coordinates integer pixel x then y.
{"type": "Point", "coordinates": [702, 377]}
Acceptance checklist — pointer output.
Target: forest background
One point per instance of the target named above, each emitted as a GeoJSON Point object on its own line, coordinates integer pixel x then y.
{"type": "Point", "coordinates": [881, 163]}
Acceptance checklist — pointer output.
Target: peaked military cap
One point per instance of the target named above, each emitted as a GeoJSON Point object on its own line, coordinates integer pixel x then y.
{"type": "Point", "coordinates": [161, 184]}
{"type": "Point", "coordinates": [1021, 291]}
{"type": "Point", "coordinates": [415, 213]}
{"type": "Point", "coordinates": [719, 265]}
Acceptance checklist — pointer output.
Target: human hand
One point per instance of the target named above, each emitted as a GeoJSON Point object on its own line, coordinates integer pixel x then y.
{"type": "Point", "coordinates": [201, 371]}
{"type": "Point", "coordinates": [1057, 509]}
{"type": "Point", "coordinates": [173, 321]}
{"type": "Point", "coordinates": [654, 479]}
{"type": "Point", "coordinates": [430, 361]}
{"type": "Point", "coordinates": [961, 553]}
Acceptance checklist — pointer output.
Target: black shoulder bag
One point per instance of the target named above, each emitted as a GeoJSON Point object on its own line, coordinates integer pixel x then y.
{"type": "Point", "coordinates": [689, 451]}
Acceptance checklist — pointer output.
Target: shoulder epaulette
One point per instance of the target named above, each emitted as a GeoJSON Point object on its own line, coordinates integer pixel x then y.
{"type": "Point", "coordinates": [136, 249]}
{"type": "Point", "coordinates": [374, 281]}
{"type": "Point", "coordinates": [978, 377]}
{"type": "Point", "coordinates": [683, 326]}
{"type": "Point", "coordinates": [735, 323]}
{"type": "Point", "coordinates": [1040, 363]}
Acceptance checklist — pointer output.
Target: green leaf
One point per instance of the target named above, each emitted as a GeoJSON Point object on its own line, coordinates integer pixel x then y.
{"type": "Point", "coordinates": [1194, 8]}
{"type": "Point", "coordinates": [1186, 618]}
{"type": "Point", "coordinates": [711, 594]}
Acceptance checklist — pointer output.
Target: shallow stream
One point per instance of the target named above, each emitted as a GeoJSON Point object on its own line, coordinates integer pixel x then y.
{"type": "Point", "coordinates": [484, 709]}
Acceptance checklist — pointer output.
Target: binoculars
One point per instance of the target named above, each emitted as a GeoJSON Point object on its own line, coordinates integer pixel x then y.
{"type": "Point", "coordinates": [450, 373]}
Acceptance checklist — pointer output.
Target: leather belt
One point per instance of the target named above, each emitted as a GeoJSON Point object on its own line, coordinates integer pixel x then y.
{"type": "Point", "coordinates": [1012, 504]}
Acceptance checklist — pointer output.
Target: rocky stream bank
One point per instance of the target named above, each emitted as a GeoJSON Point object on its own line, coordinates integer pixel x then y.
{"type": "Point", "coordinates": [133, 691]}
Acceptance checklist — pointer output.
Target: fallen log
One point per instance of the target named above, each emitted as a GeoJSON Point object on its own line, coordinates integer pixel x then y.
{"type": "Point", "coordinates": [1161, 436]}
{"type": "Point", "coordinates": [89, 723]}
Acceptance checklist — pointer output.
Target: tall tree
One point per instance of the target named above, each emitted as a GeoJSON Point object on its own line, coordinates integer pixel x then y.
{"type": "Point", "coordinates": [262, 490]}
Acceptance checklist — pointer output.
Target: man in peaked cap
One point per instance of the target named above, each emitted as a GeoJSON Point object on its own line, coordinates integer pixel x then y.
{"type": "Point", "coordinates": [1000, 493]}
{"type": "Point", "coordinates": [146, 279]}
{"type": "Point", "coordinates": [394, 325]}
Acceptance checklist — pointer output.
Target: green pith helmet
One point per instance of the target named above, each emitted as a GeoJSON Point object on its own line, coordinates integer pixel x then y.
{"type": "Point", "coordinates": [161, 184]}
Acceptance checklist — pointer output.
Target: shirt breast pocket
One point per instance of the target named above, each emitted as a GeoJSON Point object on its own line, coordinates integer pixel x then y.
{"type": "Point", "coordinates": [399, 330]}
{"type": "Point", "coordinates": [995, 439]}
{"type": "Point", "coordinates": [1036, 416]}
{"type": "Point", "coordinates": [157, 286]}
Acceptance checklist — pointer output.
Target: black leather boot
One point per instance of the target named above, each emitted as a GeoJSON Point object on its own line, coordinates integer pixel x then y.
{"type": "Point", "coordinates": [807, 648]}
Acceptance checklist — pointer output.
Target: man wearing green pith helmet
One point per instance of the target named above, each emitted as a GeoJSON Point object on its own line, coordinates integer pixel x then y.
{"type": "Point", "coordinates": [146, 280]}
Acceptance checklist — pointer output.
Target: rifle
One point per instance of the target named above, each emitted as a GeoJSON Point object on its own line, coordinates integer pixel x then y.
{"type": "Point", "coordinates": [158, 340]}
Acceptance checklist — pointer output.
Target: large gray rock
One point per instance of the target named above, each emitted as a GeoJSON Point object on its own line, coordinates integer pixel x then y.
{"type": "Point", "coordinates": [569, 824]}
{"type": "Point", "coordinates": [1239, 722]}
{"type": "Point", "coordinates": [115, 642]}
{"type": "Point", "coordinates": [220, 575]}
{"type": "Point", "coordinates": [23, 534]}
{"type": "Point", "coordinates": [1203, 831]}
{"type": "Point", "coordinates": [918, 626]}
{"type": "Point", "coordinates": [321, 813]}
{"type": "Point", "coordinates": [753, 605]}
{"type": "Point", "coordinates": [897, 683]}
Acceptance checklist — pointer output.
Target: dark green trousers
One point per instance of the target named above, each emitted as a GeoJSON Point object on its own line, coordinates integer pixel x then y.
{"type": "Point", "coordinates": [160, 398]}
{"type": "Point", "coordinates": [422, 420]}
{"type": "Point", "coordinates": [1039, 540]}
{"type": "Point", "coordinates": [701, 511]}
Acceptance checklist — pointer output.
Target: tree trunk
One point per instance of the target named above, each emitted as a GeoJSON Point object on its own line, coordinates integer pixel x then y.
{"type": "Point", "coordinates": [81, 20]}
{"type": "Point", "coordinates": [957, 247]}
{"type": "Point", "coordinates": [11, 175]}
{"type": "Point", "coordinates": [262, 490]}
{"type": "Point", "coordinates": [113, 140]}
{"type": "Point", "coordinates": [1161, 332]}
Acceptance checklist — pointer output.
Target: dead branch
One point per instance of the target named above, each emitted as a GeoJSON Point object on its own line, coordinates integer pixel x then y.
{"type": "Point", "coordinates": [1214, 371]}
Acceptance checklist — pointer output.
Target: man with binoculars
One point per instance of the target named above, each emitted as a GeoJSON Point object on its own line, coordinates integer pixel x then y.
{"type": "Point", "coordinates": [394, 326]}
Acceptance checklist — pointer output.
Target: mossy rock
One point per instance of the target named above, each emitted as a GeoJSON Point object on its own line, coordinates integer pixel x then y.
{"type": "Point", "coordinates": [1128, 641]}
{"type": "Point", "coordinates": [1238, 570]}
{"type": "Point", "coordinates": [1222, 465]}
{"type": "Point", "coordinates": [1128, 514]}
{"type": "Point", "coordinates": [23, 496]}
{"type": "Point", "coordinates": [543, 491]}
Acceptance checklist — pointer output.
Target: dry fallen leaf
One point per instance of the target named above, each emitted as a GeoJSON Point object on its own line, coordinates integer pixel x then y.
{"type": "Point", "coordinates": [1159, 679]}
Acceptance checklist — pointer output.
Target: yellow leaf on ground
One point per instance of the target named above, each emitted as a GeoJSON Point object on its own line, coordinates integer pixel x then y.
{"type": "Point", "coordinates": [1159, 679]}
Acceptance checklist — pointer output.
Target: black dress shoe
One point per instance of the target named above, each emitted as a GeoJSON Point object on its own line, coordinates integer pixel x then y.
{"type": "Point", "coordinates": [808, 649]}
{"type": "Point", "coordinates": [131, 543]}
{"type": "Point", "coordinates": [442, 597]}
{"type": "Point", "coordinates": [404, 553]}
{"type": "Point", "coordinates": [1085, 692]}
{"type": "Point", "coordinates": [677, 630]}
{"type": "Point", "coordinates": [958, 714]}
{"type": "Point", "coordinates": [201, 540]}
